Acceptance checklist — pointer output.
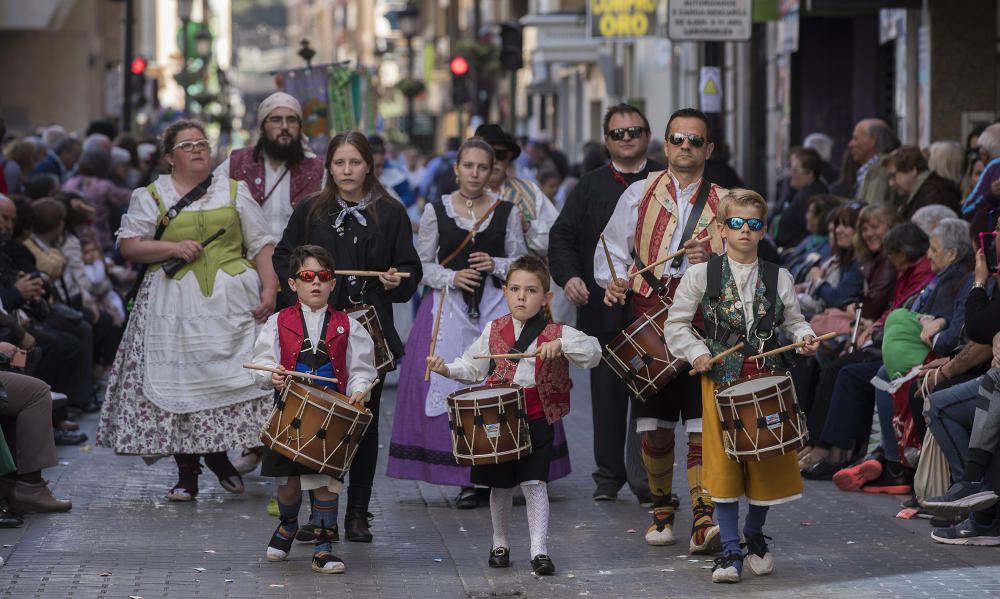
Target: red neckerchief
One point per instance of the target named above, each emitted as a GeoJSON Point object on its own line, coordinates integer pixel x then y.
{"type": "Point", "coordinates": [616, 174]}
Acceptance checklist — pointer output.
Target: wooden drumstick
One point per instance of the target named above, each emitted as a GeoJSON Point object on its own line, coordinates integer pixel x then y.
{"type": "Point", "coordinates": [663, 260]}
{"type": "Point", "coordinates": [434, 334]}
{"type": "Point", "coordinates": [611, 265]}
{"type": "Point", "coordinates": [369, 273]}
{"type": "Point", "coordinates": [722, 355]}
{"type": "Point", "coordinates": [791, 346]}
{"type": "Point", "coordinates": [533, 354]}
{"type": "Point", "coordinates": [295, 373]}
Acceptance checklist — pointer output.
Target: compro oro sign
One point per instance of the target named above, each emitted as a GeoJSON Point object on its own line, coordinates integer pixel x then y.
{"type": "Point", "coordinates": [709, 20]}
{"type": "Point", "coordinates": [621, 18]}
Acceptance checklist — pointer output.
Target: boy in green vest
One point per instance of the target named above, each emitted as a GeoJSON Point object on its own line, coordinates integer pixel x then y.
{"type": "Point", "coordinates": [741, 299]}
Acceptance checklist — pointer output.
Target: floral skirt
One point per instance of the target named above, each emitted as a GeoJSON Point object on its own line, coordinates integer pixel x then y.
{"type": "Point", "coordinates": [133, 425]}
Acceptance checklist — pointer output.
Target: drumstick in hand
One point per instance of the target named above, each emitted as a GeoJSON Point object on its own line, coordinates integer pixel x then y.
{"type": "Point", "coordinates": [722, 355]}
{"type": "Point", "coordinates": [667, 258]}
{"type": "Point", "coordinates": [611, 266]}
{"type": "Point", "coordinates": [533, 354]}
{"type": "Point", "coordinates": [791, 346]}
{"type": "Point", "coordinates": [434, 334]}
{"type": "Point", "coordinates": [369, 273]}
{"type": "Point", "coordinates": [304, 375]}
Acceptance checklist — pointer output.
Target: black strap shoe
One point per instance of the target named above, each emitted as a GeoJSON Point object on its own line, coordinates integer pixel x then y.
{"type": "Point", "coordinates": [356, 528]}
{"type": "Point", "coordinates": [542, 565]}
{"type": "Point", "coordinates": [499, 557]}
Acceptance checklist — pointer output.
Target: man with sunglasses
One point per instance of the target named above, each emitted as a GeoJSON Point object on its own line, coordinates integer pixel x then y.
{"type": "Point", "coordinates": [572, 242]}
{"type": "Point", "coordinates": [280, 171]}
{"type": "Point", "coordinates": [670, 210]}
{"type": "Point", "coordinates": [537, 211]}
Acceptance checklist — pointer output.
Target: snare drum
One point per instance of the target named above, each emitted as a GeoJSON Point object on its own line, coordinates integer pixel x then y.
{"type": "Point", "coordinates": [639, 355]}
{"type": "Point", "coordinates": [316, 427]}
{"type": "Point", "coordinates": [368, 317]}
{"type": "Point", "coordinates": [760, 417]}
{"type": "Point", "coordinates": [488, 424]}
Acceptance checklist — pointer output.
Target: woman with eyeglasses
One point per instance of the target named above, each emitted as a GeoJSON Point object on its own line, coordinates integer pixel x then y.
{"type": "Point", "coordinates": [365, 229]}
{"type": "Point", "coordinates": [177, 386]}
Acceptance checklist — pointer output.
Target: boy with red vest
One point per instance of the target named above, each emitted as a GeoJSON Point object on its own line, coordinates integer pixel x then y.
{"type": "Point", "coordinates": [546, 384]}
{"type": "Point", "coordinates": [314, 338]}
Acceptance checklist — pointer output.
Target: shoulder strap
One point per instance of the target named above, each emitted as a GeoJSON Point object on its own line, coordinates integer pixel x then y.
{"type": "Point", "coordinates": [472, 233]}
{"type": "Point", "coordinates": [769, 273]}
{"type": "Point", "coordinates": [234, 186]}
{"type": "Point", "coordinates": [532, 329]}
{"type": "Point", "coordinates": [713, 288]}
{"type": "Point", "coordinates": [699, 205]}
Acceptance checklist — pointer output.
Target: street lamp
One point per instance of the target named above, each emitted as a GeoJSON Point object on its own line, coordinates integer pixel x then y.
{"type": "Point", "coordinates": [306, 53]}
{"type": "Point", "coordinates": [184, 13]}
{"type": "Point", "coordinates": [409, 26]}
{"type": "Point", "coordinates": [203, 43]}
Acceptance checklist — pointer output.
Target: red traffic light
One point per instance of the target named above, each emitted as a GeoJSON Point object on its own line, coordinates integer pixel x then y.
{"type": "Point", "coordinates": [459, 66]}
{"type": "Point", "coordinates": [138, 66]}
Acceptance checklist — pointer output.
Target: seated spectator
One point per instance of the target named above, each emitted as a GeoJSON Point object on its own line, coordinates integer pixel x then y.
{"type": "Point", "coordinates": [815, 247]}
{"type": "Point", "coordinates": [99, 284]}
{"type": "Point", "coordinates": [981, 200]}
{"type": "Point", "coordinates": [838, 280]}
{"type": "Point", "coordinates": [915, 184]}
{"type": "Point", "coordinates": [50, 217]}
{"type": "Point", "coordinates": [108, 199]}
{"type": "Point", "coordinates": [929, 216]}
{"type": "Point", "coordinates": [804, 183]}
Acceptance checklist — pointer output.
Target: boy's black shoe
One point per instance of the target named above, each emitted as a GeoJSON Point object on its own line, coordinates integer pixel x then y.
{"type": "Point", "coordinates": [499, 557]}
{"type": "Point", "coordinates": [356, 529]}
{"type": "Point", "coordinates": [542, 565]}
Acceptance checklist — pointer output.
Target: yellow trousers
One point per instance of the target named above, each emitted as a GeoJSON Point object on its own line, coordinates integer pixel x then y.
{"type": "Point", "coordinates": [769, 482]}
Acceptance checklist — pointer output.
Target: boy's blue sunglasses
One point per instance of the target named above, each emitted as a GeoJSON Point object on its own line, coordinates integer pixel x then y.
{"type": "Point", "coordinates": [736, 223]}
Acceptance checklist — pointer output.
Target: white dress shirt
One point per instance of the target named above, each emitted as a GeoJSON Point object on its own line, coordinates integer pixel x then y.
{"type": "Point", "coordinates": [620, 230]}
{"type": "Point", "coordinates": [580, 349]}
{"type": "Point", "coordinates": [360, 357]}
{"type": "Point", "coordinates": [278, 207]}
{"type": "Point", "coordinates": [678, 332]}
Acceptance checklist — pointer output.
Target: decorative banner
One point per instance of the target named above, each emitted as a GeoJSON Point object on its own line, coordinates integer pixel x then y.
{"type": "Point", "coordinates": [341, 99]}
{"type": "Point", "coordinates": [621, 18]}
{"type": "Point", "coordinates": [310, 88]}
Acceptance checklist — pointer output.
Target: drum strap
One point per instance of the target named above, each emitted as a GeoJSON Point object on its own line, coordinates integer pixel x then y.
{"type": "Point", "coordinates": [319, 357]}
{"type": "Point", "coordinates": [699, 205]}
{"type": "Point", "coordinates": [658, 287]}
{"type": "Point", "coordinates": [532, 329]}
{"type": "Point", "coordinates": [722, 332]}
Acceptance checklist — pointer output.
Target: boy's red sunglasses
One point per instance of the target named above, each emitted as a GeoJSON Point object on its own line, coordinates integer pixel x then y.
{"type": "Point", "coordinates": [309, 275]}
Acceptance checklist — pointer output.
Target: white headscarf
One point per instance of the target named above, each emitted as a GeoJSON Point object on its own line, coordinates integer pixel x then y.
{"type": "Point", "coordinates": [283, 100]}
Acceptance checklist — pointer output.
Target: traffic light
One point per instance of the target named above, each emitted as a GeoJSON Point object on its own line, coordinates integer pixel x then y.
{"type": "Point", "coordinates": [511, 46]}
{"type": "Point", "coordinates": [138, 81]}
{"type": "Point", "coordinates": [138, 66]}
{"type": "Point", "coordinates": [459, 67]}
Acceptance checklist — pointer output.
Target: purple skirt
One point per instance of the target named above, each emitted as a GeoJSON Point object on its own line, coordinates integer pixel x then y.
{"type": "Point", "coordinates": [420, 448]}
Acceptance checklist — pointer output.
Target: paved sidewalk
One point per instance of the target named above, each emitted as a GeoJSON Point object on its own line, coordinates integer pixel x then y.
{"type": "Point", "coordinates": [122, 539]}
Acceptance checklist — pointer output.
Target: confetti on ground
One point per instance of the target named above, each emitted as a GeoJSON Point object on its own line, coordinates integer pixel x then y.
{"type": "Point", "coordinates": [462, 529]}
{"type": "Point", "coordinates": [438, 560]}
{"type": "Point", "coordinates": [604, 572]}
{"type": "Point", "coordinates": [229, 580]}
{"type": "Point", "coordinates": [134, 597]}
{"type": "Point", "coordinates": [199, 569]}
{"type": "Point", "coordinates": [276, 586]}
{"type": "Point", "coordinates": [244, 516]}
{"type": "Point", "coordinates": [87, 448]}
{"type": "Point", "coordinates": [631, 531]}
{"type": "Point", "coordinates": [806, 524]}
{"type": "Point", "coordinates": [63, 463]}
{"type": "Point", "coordinates": [692, 561]}
{"type": "Point", "coordinates": [209, 551]}
{"type": "Point", "coordinates": [571, 576]}
{"type": "Point", "coordinates": [105, 573]}
{"type": "Point", "coordinates": [706, 567]}
{"type": "Point", "coordinates": [667, 570]}
{"type": "Point", "coordinates": [681, 556]}
{"type": "Point", "coordinates": [850, 542]}
{"type": "Point", "coordinates": [7, 546]}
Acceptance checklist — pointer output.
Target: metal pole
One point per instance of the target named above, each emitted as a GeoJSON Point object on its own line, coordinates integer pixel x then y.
{"type": "Point", "coordinates": [127, 67]}
{"type": "Point", "coordinates": [477, 23]}
{"type": "Point", "coordinates": [513, 103]}
{"type": "Point", "coordinates": [409, 96]}
{"type": "Point", "coordinates": [184, 65]}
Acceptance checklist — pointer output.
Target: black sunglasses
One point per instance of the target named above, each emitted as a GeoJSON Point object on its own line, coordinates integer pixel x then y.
{"type": "Point", "coordinates": [619, 133]}
{"type": "Point", "coordinates": [309, 275]}
{"type": "Point", "coordinates": [736, 223]}
{"type": "Point", "coordinates": [677, 139]}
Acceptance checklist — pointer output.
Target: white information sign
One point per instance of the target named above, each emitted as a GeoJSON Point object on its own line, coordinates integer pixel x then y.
{"type": "Point", "coordinates": [709, 20]}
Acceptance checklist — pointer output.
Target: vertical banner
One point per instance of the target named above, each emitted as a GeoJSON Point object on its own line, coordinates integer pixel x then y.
{"type": "Point", "coordinates": [341, 99]}
{"type": "Point", "coordinates": [615, 19]}
{"type": "Point", "coordinates": [309, 86]}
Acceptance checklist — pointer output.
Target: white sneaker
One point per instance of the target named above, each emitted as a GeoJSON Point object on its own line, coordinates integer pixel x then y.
{"type": "Point", "coordinates": [759, 557]}
{"type": "Point", "coordinates": [727, 568]}
{"type": "Point", "coordinates": [276, 555]}
{"type": "Point", "coordinates": [660, 532]}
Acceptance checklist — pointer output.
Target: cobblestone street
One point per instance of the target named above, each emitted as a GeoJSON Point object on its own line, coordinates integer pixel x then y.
{"type": "Point", "coordinates": [122, 539]}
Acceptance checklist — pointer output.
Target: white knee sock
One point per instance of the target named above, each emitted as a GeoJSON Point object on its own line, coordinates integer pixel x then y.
{"type": "Point", "coordinates": [536, 497]}
{"type": "Point", "coordinates": [501, 501]}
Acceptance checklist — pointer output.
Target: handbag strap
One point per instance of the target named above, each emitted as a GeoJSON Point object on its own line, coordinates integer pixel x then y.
{"type": "Point", "coordinates": [472, 233]}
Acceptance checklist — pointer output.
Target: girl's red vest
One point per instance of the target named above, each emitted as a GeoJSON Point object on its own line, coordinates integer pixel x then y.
{"type": "Point", "coordinates": [291, 335]}
{"type": "Point", "coordinates": [552, 382]}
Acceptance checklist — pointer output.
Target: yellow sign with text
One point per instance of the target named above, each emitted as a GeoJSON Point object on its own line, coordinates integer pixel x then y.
{"type": "Point", "coordinates": [622, 18]}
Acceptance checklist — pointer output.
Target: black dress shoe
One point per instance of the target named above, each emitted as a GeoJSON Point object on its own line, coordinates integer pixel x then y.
{"type": "Point", "coordinates": [467, 499]}
{"type": "Point", "coordinates": [69, 437]}
{"type": "Point", "coordinates": [820, 471]}
{"type": "Point", "coordinates": [542, 565]}
{"type": "Point", "coordinates": [9, 520]}
{"type": "Point", "coordinates": [356, 529]}
{"type": "Point", "coordinates": [499, 557]}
